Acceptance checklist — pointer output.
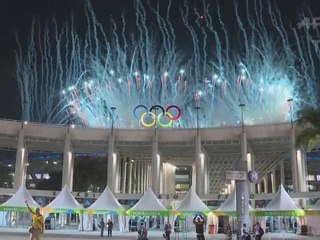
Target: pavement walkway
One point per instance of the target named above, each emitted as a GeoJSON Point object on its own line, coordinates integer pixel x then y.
{"type": "Point", "coordinates": [66, 234]}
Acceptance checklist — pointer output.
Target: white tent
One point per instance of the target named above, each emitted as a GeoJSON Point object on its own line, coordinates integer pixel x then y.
{"type": "Point", "coordinates": [106, 203]}
{"type": "Point", "coordinates": [192, 203]}
{"type": "Point", "coordinates": [64, 202]}
{"type": "Point", "coordinates": [282, 202]}
{"type": "Point", "coordinates": [17, 201]}
{"type": "Point", "coordinates": [229, 207]}
{"type": "Point", "coordinates": [148, 205]}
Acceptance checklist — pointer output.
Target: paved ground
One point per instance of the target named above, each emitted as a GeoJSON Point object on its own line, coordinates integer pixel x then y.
{"type": "Point", "coordinates": [21, 234]}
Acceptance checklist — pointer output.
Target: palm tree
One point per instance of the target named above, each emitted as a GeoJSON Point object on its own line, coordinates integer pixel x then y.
{"type": "Point", "coordinates": [309, 120]}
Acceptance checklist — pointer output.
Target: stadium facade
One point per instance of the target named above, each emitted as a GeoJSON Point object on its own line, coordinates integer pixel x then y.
{"type": "Point", "coordinates": [168, 160]}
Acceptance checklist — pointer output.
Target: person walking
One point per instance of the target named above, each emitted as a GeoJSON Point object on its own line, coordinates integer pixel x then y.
{"type": "Point", "coordinates": [258, 231]}
{"type": "Point", "coordinates": [244, 233]}
{"type": "Point", "coordinates": [199, 223]}
{"type": "Point", "coordinates": [109, 227]}
{"type": "Point", "coordinates": [101, 225]}
{"type": "Point", "coordinates": [143, 233]}
{"type": "Point", "coordinates": [167, 231]}
{"type": "Point", "coordinates": [37, 224]}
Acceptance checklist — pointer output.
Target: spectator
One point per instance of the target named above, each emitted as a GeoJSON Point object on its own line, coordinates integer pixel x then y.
{"type": "Point", "coordinates": [167, 231]}
{"type": "Point", "coordinates": [37, 225]}
{"type": "Point", "coordinates": [101, 226]}
{"type": "Point", "coordinates": [109, 227]}
{"type": "Point", "coordinates": [244, 233]}
{"type": "Point", "coordinates": [199, 223]}
{"type": "Point", "coordinates": [258, 231]}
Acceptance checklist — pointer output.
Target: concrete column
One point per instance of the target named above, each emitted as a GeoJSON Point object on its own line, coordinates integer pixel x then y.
{"type": "Point", "coordinates": [294, 161]}
{"type": "Point", "coordinates": [130, 177]}
{"type": "Point", "coordinates": [145, 176]}
{"type": "Point", "coordinates": [139, 173]}
{"type": "Point", "coordinates": [155, 166]}
{"type": "Point", "coordinates": [233, 185]}
{"type": "Point", "coordinates": [273, 181]}
{"type": "Point", "coordinates": [194, 175]}
{"type": "Point", "coordinates": [134, 177]}
{"type": "Point", "coordinates": [21, 161]}
{"type": "Point", "coordinates": [265, 182]}
{"type": "Point", "coordinates": [118, 173]}
{"type": "Point", "coordinates": [302, 175]}
{"type": "Point", "coordinates": [200, 175]}
{"type": "Point", "coordinates": [259, 187]}
{"type": "Point", "coordinates": [206, 175]}
{"type": "Point", "coordinates": [161, 179]}
{"type": "Point", "coordinates": [149, 176]}
{"type": "Point", "coordinates": [250, 165]}
{"type": "Point", "coordinates": [112, 158]}
{"type": "Point", "coordinates": [242, 191]}
{"type": "Point", "coordinates": [169, 178]}
{"type": "Point", "coordinates": [282, 173]}
{"type": "Point", "coordinates": [124, 175]}
{"type": "Point", "coordinates": [143, 172]}
{"type": "Point", "coordinates": [147, 184]}
{"type": "Point", "coordinates": [68, 163]}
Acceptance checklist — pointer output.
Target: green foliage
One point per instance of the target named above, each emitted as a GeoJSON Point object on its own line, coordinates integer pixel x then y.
{"type": "Point", "coordinates": [309, 120]}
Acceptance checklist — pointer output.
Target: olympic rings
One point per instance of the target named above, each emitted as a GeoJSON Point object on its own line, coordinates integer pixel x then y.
{"type": "Point", "coordinates": [178, 115]}
{"type": "Point", "coordinates": [156, 118]}
{"type": "Point", "coordinates": [143, 118]}
{"type": "Point", "coordinates": [169, 116]}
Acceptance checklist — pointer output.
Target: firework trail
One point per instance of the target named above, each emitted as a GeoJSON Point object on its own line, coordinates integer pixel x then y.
{"type": "Point", "coordinates": [66, 76]}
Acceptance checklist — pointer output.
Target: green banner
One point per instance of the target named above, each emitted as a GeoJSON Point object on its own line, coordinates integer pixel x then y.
{"type": "Point", "coordinates": [63, 210]}
{"type": "Point", "coordinates": [188, 213]}
{"type": "Point", "coordinates": [291, 213]}
{"type": "Point", "coordinates": [14, 209]}
{"type": "Point", "coordinates": [231, 213]}
{"type": "Point", "coordinates": [118, 212]}
{"type": "Point", "coordinates": [147, 213]}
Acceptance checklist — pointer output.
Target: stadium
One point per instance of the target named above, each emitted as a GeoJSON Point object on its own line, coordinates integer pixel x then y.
{"type": "Point", "coordinates": [170, 97]}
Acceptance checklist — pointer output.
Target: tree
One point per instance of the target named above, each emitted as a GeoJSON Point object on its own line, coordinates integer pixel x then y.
{"type": "Point", "coordinates": [309, 120]}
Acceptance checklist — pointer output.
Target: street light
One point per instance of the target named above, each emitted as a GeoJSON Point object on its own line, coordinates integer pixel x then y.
{"type": "Point", "coordinates": [241, 105]}
{"type": "Point", "coordinates": [112, 123]}
{"type": "Point", "coordinates": [197, 109]}
{"type": "Point", "coordinates": [290, 101]}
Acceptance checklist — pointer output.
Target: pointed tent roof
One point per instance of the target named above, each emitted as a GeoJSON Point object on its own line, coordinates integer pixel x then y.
{"type": "Point", "coordinates": [282, 201]}
{"type": "Point", "coordinates": [229, 206]}
{"type": "Point", "coordinates": [17, 201]}
{"type": "Point", "coordinates": [106, 203]}
{"type": "Point", "coordinates": [64, 202]}
{"type": "Point", "coordinates": [148, 205]}
{"type": "Point", "coordinates": [192, 203]}
{"type": "Point", "coordinates": [281, 205]}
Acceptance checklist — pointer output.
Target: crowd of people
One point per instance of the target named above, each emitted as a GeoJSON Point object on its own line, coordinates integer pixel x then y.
{"type": "Point", "coordinates": [37, 227]}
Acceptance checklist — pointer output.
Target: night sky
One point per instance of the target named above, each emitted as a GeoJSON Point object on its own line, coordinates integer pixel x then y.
{"type": "Point", "coordinates": [16, 17]}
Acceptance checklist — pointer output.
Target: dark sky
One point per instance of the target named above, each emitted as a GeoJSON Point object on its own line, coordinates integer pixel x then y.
{"type": "Point", "coordinates": [16, 17]}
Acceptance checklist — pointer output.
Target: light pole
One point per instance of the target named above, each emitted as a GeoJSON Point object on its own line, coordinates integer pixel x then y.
{"type": "Point", "coordinates": [112, 123]}
{"type": "Point", "coordinates": [197, 109]}
{"type": "Point", "coordinates": [290, 101]}
{"type": "Point", "coordinates": [241, 105]}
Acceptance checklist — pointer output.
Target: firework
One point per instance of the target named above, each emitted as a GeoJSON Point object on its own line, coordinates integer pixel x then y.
{"type": "Point", "coordinates": [195, 61]}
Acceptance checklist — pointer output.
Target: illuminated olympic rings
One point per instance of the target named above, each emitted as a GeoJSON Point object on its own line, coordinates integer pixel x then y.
{"type": "Point", "coordinates": [151, 113]}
